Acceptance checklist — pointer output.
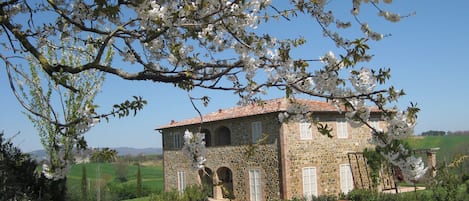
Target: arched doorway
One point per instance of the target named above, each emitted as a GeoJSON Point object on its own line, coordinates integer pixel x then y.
{"type": "Point", "coordinates": [206, 179]}
{"type": "Point", "coordinates": [222, 136]}
{"type": "Point", "coordinates": [225, 181]}
{"type": "Point", "coordinates": [208, 137]}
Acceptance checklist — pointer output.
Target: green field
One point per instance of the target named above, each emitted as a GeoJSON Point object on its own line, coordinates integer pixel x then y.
{"type": "Point", "coordinates": [450, 145]}
{"type": "Point", "coordinates": [152, 178]}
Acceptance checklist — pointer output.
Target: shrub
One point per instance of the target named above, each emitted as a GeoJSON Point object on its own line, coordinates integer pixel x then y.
{"type": "Point", "coordinates": [121, 169]}
{"type": "Point", "coordinates": [191, 193]}
{"type": "Point", "coordinates": [19, 179]}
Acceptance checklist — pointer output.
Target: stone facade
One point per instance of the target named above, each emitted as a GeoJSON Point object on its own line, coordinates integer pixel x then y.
{"type": "Point", "coordinates": [324, 153]}
{"type": "Point", "coordinates": [279, 162]}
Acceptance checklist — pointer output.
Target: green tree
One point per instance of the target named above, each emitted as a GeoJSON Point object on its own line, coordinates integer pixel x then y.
{"type": "Point", "coordinates": [61, 115]}
{"type": "Point", "coordinates": [121, 168]}
{"type": "Point", "coordinates": [84, 182]}
{"type": "Point", "coordinates": [103, 155]}
{"type": "Point", "coordinates": [18, 175]}
{"type": "Point", "coordinates": [139, 181]}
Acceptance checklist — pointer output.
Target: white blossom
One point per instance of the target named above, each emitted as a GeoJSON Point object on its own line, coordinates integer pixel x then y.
{"type": "Point", "coordinates": [392, 17]}
{"type": "Point", "coordinates": [57, 173]}
{"type": "Point", "coordinates": [399, 126]}
{"type": "Point", "coordinates": [364, 82]}
{"type": "Point", "coordinates": [194, 148]}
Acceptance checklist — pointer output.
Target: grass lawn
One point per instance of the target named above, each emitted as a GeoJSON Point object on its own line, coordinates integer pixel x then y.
{"type": "Point", "coordinates": [152, 176]}
{"type": "Point", "coordinates": [139, 199]}
{"type": "Point", "coordinates": [449, 145]}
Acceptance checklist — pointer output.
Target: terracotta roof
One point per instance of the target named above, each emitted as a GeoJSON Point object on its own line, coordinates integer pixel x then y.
{"type": "Point", "coordinates": [269, 106]}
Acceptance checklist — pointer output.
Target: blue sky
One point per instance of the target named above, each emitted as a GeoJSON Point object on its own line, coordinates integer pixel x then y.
{"type": "Point", "coordinates": [427, 53]}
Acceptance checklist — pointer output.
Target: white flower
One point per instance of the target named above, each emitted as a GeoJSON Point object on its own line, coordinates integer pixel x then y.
{"type": "Point", "coordinates": [392, 17]}
{"type": "Point", "coordinates": [364, 82]}
{"type": "Point", "coordinates": [194, 148]}
{"type": "Point", "coordinates": [56, 173]}
{"type": "Point", "coordinates": [330, 60]}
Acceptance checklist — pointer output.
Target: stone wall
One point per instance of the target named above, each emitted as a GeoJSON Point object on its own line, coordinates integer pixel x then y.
{"type": "Point", "coordinates": [324, 153]}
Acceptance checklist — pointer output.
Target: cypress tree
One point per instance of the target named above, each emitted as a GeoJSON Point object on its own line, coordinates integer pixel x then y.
{"type": "Point", "coordinates": [84, 183]}
{"type": "Point", "coordinates": [139, 181]}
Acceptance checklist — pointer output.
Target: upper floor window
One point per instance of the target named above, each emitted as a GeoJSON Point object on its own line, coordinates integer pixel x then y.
{"type": "Point", "coordinates": [256, 131]}
{"type": "Point", "coordinates": [342, 130]}
{"type": "Point", "coordinates": [306, 131]}
{"type": "Point", "coordinates": [222, 136]}
{"type": "Point", "coordinates": [374, 123]}
{"type": "Point", "coordinates": [177, 140]}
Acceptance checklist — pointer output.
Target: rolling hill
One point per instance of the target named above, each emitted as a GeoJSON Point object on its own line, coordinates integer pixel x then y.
{"type": "Point", "coordinates": [121, 151]}
{"type": "Point", "coordinates": [450, 145]}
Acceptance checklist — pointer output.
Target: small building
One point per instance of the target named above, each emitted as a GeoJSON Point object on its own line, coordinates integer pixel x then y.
{"type": "Point", "coordinates": [293, 159]}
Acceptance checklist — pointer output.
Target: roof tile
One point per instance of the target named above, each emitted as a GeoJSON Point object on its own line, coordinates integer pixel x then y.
{"type": "Point", "coordinates": [265, 107]}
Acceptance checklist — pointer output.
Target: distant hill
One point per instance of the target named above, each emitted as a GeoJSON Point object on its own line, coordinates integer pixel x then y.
{"type": "Point", "coordinates": [121, 151]}
{"type": "Point", "coordinates": [449, 145]}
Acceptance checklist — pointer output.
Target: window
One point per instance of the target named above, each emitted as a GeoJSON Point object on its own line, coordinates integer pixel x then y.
{"type": "Point", "coordinates": [181, 181]}
{"type": "Point", "coordinates": [256, 131]}
{"type": "Point", "coordinates": [255, 185]}
{"type": "Point", "coordinates": [310, 187]}
{"type": "Point", "coordinates": [342, 132]}
{"type": "Point", "coordinates": [177, 141]}
{"type": "Point", "coordinates": [346, 179]}
{"type": "Point", "coordinates": [222, 136]}
{"type": "Point", "coordinates": [375, 124]}
{"type": "Point", "coordinates": [305, 131]}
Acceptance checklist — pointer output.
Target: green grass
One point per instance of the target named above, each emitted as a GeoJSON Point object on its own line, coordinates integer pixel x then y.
{"type": "Point", "coordinates": [139, 199]}
{"type": "Point", "coordinates": [152, 176]}
{"type": "Point", "coordinates": [449, 145]}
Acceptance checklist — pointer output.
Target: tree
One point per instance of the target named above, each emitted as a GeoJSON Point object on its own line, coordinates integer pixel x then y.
{"type": "Point", "coordinates": [84, 182]}
{"type": "Point", "coordinates": [18, 176]}
{"type": "Point", "coordinates": [104, 155]}
{"type": "Point", "coordinates": [62, 116]}
{"type": "Point", "coordinates": [121, 168]}
{"type": "Point", "coordinates": [433, 133]}
{"type": "Point", "coordinates": [220, 45]}
{"type": "Point", "coordinates": [139, 181]}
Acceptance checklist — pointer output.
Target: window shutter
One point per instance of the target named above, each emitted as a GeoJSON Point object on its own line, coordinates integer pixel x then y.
{"type": "Point", "coordinates": [305, 131]}
{"type": "Point", "coordinates": [255, 185]}
{"type": "Point", "coordinates": [181, 181]}
{"type": "Point", "coordinates": [310, 187]}
{"type": "Point", "coordinates": [375, 125]}
{"type": "Point", "coordinates": [346, 179]}
{"type": "Point", "coordinates": [342, 132]}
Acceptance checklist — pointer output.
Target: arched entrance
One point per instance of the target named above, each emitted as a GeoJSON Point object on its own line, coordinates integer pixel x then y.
{"type": "Point", "coordinates": [225, 182]}
{"type": "Point", "coordinates": [206, 179]}
{"type": "Point", "coordinates": [222, 136]}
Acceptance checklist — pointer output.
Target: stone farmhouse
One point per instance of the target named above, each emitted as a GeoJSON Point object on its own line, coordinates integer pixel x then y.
{"type": "Point", "coordinates": [292, 160]}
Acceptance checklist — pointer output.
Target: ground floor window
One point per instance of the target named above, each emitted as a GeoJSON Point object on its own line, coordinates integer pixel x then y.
{"type": "Point", "coordinates": [346, 179]}
{"type": "Point", "coordinates": [310, 186]}
{"type": "Point", "coordinates": [181, 181]}
{"type": "Point", "coordinates": [255, 185]}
